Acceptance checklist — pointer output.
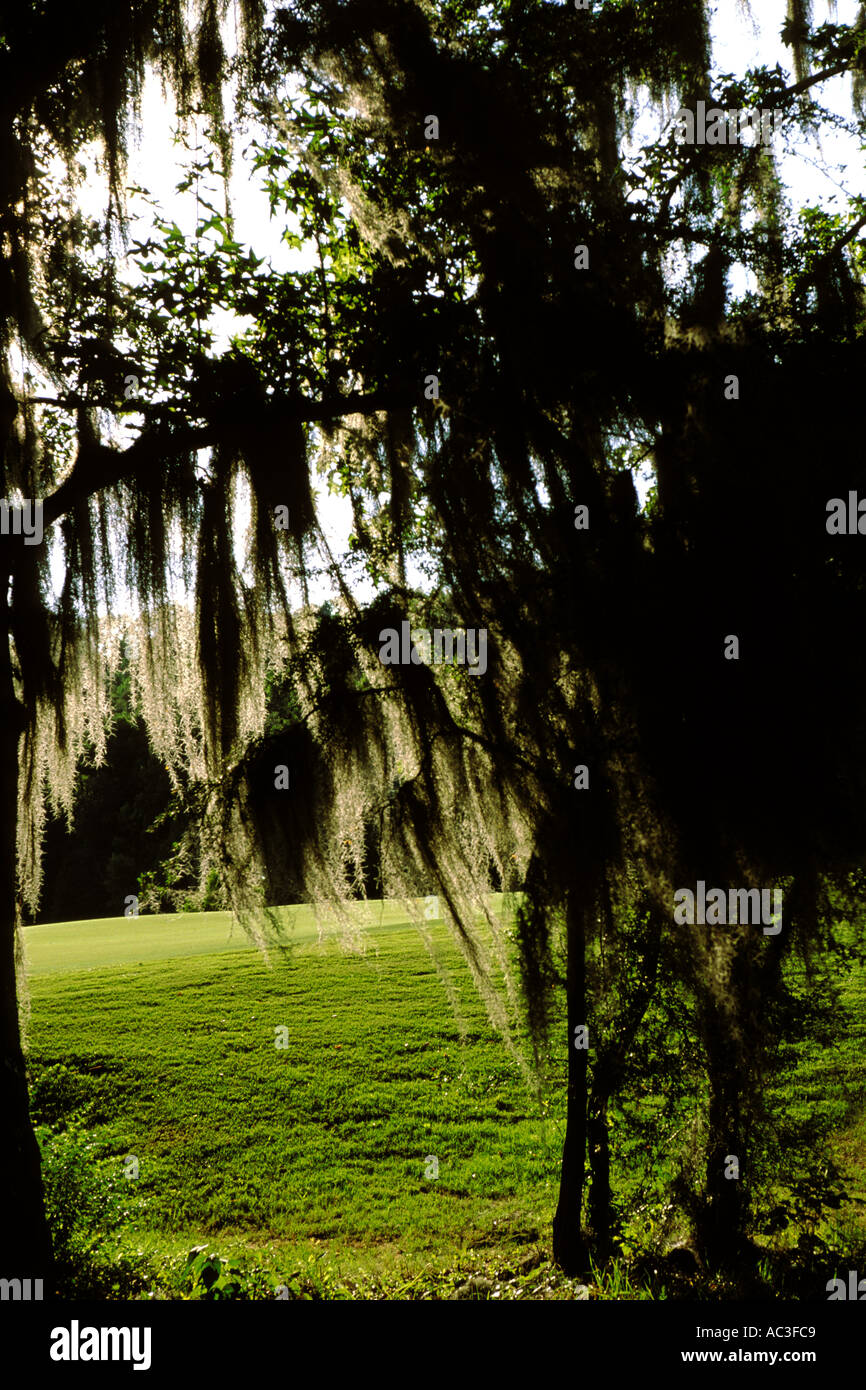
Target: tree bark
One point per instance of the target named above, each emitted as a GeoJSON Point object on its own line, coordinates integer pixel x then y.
{"type": "Point", "coordinates": [600, 1215]}
{"type": "Point", "coordinates": [608, 1074]}
{"type": "Point", "coordinates": [721, 1224]}
{"type": "Point", "coordinates": [25, 1241]}
{"type": "Point", "coordinates": [569, 1246]}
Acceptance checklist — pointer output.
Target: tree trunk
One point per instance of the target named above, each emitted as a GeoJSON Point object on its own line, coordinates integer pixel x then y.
{"type": "Point", "coordinates": [608, 1074]}
{"type": "Point", "coordinates": [721, 1222]}
{"type": "Point", "coordinates": [600, 1214]}
{"type": "Point", "coordinates": [569, 1247]}
{"type": "Point", "coordinates": [25, 1242]}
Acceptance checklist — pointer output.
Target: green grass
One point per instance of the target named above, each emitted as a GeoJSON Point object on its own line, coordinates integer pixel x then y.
{"type": "Point", "coordinates": [311, 1162]}
{"type": "Point", "coordinates": [62, 947]}
{"type": "Point", "coordinates": [160, 1033]}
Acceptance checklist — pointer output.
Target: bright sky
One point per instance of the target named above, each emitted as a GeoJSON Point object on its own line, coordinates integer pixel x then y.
{"type": "Point", "coordinates": [814, 172]}
{"type": "Point", "coordinates": [744, 36]}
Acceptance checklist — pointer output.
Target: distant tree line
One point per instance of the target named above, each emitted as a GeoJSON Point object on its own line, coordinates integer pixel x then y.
{"type": "Point", "coordinates": [132, 834]}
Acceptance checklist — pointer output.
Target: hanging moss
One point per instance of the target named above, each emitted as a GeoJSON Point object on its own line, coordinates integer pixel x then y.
{"type": "Point", "coordinates": [797, 30]}
{"type": "Point", "coordinates": [81, 80]}
{"type": "Point", "coordinates": [545, 372]}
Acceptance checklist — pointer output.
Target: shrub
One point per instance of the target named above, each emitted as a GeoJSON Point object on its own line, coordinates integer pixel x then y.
{"type": "Point", "coordinates": [86, 1204]}
{"type": "Point", "coordinates": [56, 1092]}
{"type": "Point", "coordinates": [206, 1275]}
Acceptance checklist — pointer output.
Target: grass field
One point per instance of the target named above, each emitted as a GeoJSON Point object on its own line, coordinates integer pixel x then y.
{"type": "Point", "coordinates": [61, 948]}
{"type": "Point", "coordinates": [392, 1144]}
{"type": "Point", "coordinates": [160, 1033]}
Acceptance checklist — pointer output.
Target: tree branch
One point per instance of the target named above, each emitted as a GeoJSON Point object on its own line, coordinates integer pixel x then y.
{"type": "Point", "coordinates": [827, 257]}
{"type": "Point", "coordinates": [99, 466]}
{"type": "Point", "coordinates": [823, 76]}
{"type": "Point", "coordinates": [795, 90]}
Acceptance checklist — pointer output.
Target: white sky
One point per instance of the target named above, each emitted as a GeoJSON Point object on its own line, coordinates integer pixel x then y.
{"type": "Point", "coordinates": [812, 174]}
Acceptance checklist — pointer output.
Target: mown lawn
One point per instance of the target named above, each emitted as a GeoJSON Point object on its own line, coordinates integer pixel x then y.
{"type": "Point", "coordinates": [393, 1139]}
{"type": "Point", "coordinates": [332, 1142]}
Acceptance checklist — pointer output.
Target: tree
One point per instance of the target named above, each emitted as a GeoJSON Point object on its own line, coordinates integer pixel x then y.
{"type": "Point", "coordinates": [482, 243]}
{"type": "Point", "coordinates": [465, 184]}
{"type": "Point", "coordinates": [65, 80]}
{"type": "Point", "coordinates": [515, 259]}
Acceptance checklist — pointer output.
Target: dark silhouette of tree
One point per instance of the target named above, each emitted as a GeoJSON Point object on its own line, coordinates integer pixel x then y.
{"type": "Point", "coordinates": [492, 340]}
{"type": "Point", "coordinates": [513, 251]}
{"type": "Point", "coordinates": [66, 79]}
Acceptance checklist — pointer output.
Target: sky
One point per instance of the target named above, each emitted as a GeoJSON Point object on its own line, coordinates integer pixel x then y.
{"type": "Point", "coordinates": [813, 173]}
{"type": "Point", "coordinates": [743, 35]}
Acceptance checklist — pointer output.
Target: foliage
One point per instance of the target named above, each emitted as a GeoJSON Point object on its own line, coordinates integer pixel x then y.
{"type": "Point", "coordinates": [119, 826]}
{"type": "Point", "coordinates": [209, 1277]}
{"type": "Point", "coordinates": [452, 256]}
{"type": "Point", "coordinates": [87, 1203]}
{"type": "Point", "coordinates": [319, 1151]}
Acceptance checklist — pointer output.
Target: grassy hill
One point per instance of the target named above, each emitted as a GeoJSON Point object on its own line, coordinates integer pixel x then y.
{"type": "Point", "coordinates": [160, 1034]}
{"type": "Point", "coordinates": [341, 1119]}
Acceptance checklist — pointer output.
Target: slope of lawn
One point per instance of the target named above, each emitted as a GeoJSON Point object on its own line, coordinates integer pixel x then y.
{"type": "Point", "coordinates": [61, 947]}
{"type": "Point", "coordinates": [162, 1035]}
{"type": "Point", "coordinates": [344, 1109]}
